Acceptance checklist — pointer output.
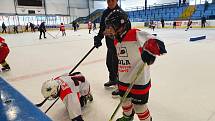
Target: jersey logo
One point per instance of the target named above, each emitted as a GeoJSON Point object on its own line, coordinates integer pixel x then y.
{"type": "Point", "coordinates": [123, 52]}
{"type": "Point", "coordinates": [124, 62]}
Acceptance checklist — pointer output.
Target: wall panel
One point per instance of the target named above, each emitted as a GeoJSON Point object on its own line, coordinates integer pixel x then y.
{"type": "Point", "coordinates": [57, 7]}
{"type": "Point", "coordinates": [7, 6]}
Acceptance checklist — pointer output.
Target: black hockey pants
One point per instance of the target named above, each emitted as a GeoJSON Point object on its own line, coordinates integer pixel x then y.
{"type": "Point", "coordinates": [44, 34]}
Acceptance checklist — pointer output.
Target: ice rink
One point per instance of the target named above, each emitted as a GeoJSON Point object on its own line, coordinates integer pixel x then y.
{"type": "Point", "coordinates": [183, 80]}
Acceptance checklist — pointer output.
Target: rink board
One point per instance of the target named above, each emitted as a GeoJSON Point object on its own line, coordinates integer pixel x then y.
{"type": "Point", "coordinates": [15, 107]}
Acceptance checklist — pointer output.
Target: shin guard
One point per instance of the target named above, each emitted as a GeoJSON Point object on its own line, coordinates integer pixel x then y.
{"type": "Point", "coordinates": [127, 107]}
{"type": "Point", "coordinates": [142, 112]}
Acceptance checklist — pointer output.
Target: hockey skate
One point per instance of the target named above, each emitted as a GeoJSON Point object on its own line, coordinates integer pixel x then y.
{"type": "Point", "coordinates": [5, 68]}
{"type": "Point", "coordinates": [125, 118]}
{"type": "Point", "coordinates": [115, 94]}
{"type": "Point", "coordinates": [84, 99]}
{"type": "Point", "coordinates": [110, 83]}
{"type": "Point", "coordinates": [89, 97]}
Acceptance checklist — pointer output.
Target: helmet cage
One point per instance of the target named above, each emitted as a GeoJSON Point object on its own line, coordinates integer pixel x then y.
{"type": "Point", "coordinates": [50, 89]}
{"type": "Point", "coordinates": [116, 19]}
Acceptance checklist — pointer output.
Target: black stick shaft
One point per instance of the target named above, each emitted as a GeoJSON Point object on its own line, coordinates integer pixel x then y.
{"type": "Point", "coordinates": [82, 59]}
{"type": "Point", "coordinates": [51, 105]}
{"type": "Point", "coordinates": [51, 35]}
{"type": "Point", "coordinates": [40, 104]}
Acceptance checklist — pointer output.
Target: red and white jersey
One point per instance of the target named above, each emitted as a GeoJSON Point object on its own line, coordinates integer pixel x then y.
{"type": "Point", "coordinates": [2, 40]}
{"type": "Point", "coordinates": [129, 56]}
{"type": "Point", "coordinates": [89, 25]}
{"type": "Point", "coordinates": [62, 28]}
{"type": "Point", "coordinates": [72, 88]}
{"type": "Point", "coordinates": [4, 50]}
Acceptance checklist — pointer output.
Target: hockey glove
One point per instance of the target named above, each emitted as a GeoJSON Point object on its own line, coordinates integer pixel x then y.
{"type": "Point", "coordinates": [151, 49]}
{"type": "Point", "coordinates": [155, 47]}
{"type": "Point", "coordinates": [148, 58]}
{"type": "Point", "coordinates": [97, 41]}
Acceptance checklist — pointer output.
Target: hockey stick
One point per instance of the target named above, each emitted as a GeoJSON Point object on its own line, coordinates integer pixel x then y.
{"type": "Point", "coordinates": [82, 59]}
{"type": "Point", "coordinates": [48, 33]}
{"type": "Point", "coordinates": [51, 35]}
{"type": "Point", "coordinates": [51, 105]}
{"type": "Point", "coordinates": [127, 91]}
{"type": "Point", "coordinates": [57, 34]}
{"type": "Point", "coordinates": [40, 104]}
{"type": "Point", "coordinates": [70, 73]}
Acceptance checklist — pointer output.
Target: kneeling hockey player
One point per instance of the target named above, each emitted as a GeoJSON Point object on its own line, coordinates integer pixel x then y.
{"type": "Point", "coordinates": [73, 90]}
{"type": "Point", "coordinates": [136, 51]}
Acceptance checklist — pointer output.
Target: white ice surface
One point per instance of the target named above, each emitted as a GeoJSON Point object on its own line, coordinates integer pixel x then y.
{"type": "Point", "coordinates": [183, 83]}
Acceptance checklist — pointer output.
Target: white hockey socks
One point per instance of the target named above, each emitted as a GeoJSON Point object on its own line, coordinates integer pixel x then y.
{"type": "Point", "coordinates": [127, 107]}
{"type": "Point", "coordinates": [142, 112]}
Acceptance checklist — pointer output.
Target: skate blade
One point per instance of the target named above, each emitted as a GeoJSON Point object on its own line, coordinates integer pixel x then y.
{"type": "Point", "coordinates": [3, 71]}
{"type": "Point", "coordinates": [115, 96]}
{"type": "Point", "coordinates": [110, 87]}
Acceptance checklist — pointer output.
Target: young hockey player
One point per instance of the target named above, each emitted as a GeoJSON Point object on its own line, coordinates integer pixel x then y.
{"type": "Point", "coordinates": [32, 26]}
{"type": "Point", "coordinates": [62, 29]}
{"type": "Point", "coordinates": [4, 27]}
{"type": "Point", "coordinates": [15, 29]}
{"type": "Point", "coordinates": [73, 90]}
{"type": "Point", "coordinates": [89, 26]}
{"type": "Point", "coordinates": [189, 23]}
{"type": "Point", "coordinates": [4, 51]}
{"type": "Point", "coordinates": [94, 25]}
{"type": "Point", "coordinates": [174, 25]}
{"type": "Point", "coordinates": [111, 56]}
{"type": "Point", "coordinates": [152, 25]}
{"type": "Point", "coordinates": [135, 49]}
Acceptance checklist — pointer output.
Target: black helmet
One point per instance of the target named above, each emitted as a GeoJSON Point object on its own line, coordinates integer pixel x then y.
{"type": "Point", "coordinates": [118, 18]}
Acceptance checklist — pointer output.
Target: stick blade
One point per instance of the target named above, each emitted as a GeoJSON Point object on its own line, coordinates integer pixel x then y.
{"type": "Point", "coordinates": [40, 104]}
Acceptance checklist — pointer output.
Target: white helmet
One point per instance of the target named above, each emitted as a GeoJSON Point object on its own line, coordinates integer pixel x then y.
{"type": "Point", "coordinates": [50, 89]}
